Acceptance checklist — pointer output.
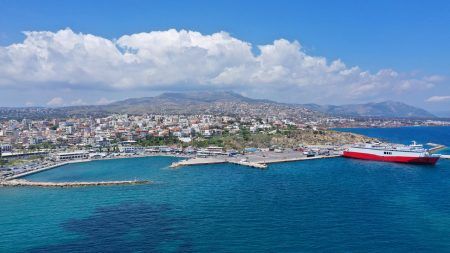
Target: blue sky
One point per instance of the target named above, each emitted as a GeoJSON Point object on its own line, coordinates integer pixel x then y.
{"type": "Point", "coordinates": [411, 38]}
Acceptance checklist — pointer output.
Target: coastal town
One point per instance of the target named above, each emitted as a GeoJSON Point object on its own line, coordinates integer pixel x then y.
{"type": "Point", "coordinates": [28, 146]}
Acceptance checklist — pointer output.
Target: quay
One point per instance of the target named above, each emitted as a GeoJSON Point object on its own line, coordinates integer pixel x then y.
{"type": "Point", "coordinates": [250, 164]}
{"type": "Point", "coordinates": [22, 182]}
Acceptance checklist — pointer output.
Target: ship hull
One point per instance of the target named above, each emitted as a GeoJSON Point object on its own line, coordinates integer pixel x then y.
{"type": "Point", "coordinates": [397, 159]}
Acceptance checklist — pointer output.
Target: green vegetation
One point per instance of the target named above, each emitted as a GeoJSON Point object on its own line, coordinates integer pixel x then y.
{"type": "Point", "coordinates": [18, 162]}
{"type": "Point", "coordinates": [213, 141]}
{"type": "Point", "coordinates": [158, 141]}
{"type": "Point", "coordinates": [284, 137]}
{"type": "Point", "coordinates": [43, 145]}
{"type": "Point", "coordinates": [289, 137]}
{"type": "Point", "coordinates": [245, 133]}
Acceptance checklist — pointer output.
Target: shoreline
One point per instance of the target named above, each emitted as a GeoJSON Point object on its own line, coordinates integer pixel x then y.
{"type": "Point", "coordinates": [256, 160]}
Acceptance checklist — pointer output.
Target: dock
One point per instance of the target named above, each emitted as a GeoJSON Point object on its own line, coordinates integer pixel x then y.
{"type": "Point", "coordinates": [22, 182]}
{"type": "Point", "coordinates": [296, 159]}
{"type": "Point", "coordinates": [445, 156]}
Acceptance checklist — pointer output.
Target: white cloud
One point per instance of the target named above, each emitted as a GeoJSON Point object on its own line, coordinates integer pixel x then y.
{"type": "Point", "coordinates": [56, 101]}
{"type": "Point", "coordinates": [103, 101]}
{"type": "Point", "coordinates": [78, 102]}
{"type": "Point", "coordinates": [438, 99]}
{"type": "Point", "coordinates": [174, 59]}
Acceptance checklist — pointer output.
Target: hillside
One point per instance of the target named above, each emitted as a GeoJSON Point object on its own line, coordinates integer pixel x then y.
{"type": "Point", "coordinates": [220, 103]}
{"type": "Point", "coordinates": [387, 109]}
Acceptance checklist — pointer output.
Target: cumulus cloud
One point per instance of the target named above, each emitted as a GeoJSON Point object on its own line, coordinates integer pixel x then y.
{"type": "Point", "coordinates": [438, 99]}
{"type": "Point", "coordinates": [172, 59]}
{"type": "Point", "coordinates": [56, 101]}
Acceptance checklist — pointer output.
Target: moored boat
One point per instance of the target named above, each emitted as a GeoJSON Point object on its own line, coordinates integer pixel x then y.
{"type": "Point", "coordinates": [414, 153]}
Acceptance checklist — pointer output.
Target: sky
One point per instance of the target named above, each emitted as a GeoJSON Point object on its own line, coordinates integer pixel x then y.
{"type": "Point", "coordinates": [57, 53]}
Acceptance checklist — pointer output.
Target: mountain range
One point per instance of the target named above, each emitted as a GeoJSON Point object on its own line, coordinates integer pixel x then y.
{"type": "Point", "coordinates": [386, 109]}
{"type": "Point", "coordinates": [221, 103]}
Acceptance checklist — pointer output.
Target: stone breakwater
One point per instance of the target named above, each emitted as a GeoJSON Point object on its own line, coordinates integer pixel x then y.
{"type": "Point", "coordinates": [22, 182]}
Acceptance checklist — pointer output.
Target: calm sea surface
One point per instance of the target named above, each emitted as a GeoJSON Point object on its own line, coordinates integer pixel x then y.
{"type": "Point", "coordinates": [331, 205]}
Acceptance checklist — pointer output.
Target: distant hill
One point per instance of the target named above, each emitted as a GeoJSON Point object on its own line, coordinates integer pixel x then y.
{"type": "Point", "coordinates": [387, 109]}
{"type": "Point", "coordinates": [220, 103]}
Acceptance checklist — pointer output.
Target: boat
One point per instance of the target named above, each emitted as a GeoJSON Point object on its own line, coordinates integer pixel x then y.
{"type": "Point", "coordinates": [414, 153]}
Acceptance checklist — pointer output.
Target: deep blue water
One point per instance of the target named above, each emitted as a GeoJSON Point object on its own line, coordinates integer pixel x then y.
{"type": "Point", "coordinates": [331, 205]}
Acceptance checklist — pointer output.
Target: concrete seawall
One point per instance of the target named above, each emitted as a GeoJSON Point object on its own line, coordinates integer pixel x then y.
{"type": "Point", "coordinates": [53, 166]}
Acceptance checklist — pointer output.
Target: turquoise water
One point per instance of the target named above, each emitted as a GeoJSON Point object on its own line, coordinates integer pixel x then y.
{"type": "Point", "coordinates": [331, 205]}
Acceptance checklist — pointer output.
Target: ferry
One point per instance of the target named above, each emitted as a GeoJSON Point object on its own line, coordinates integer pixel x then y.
{"type": "Point", "coordinates": [414, 153]}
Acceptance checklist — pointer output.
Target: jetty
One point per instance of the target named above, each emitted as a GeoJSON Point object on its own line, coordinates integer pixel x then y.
{"type": "Point", "coordinates": [22, 182]}
{"type": "Point", "coordinates": [435, 147]}
{"type": "Point", "coordinates": [198, 161]}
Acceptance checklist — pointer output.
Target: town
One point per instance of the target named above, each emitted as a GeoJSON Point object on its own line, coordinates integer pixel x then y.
{"type": "Point", "coordinates": [29, 145]}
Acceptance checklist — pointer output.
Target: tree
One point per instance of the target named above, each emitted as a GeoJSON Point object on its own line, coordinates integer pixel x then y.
{"type": "Point", "coordinates": [1, 157]}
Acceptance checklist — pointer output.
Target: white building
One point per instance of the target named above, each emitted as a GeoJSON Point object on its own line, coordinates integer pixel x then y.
{"type": "Point", "coordinates": [131, 149]}
{"type": "Point", "coordinates": [75, 155]}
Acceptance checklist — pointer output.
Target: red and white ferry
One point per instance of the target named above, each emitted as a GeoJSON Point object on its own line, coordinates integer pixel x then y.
{"type": "Point", "coordinates": [413, 153]}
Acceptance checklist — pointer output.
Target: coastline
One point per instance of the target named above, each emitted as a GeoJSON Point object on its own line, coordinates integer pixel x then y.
{"type": "Point", "coordinates": [53, 166]}
{"type": "Point", "coordinates": [256, 160]}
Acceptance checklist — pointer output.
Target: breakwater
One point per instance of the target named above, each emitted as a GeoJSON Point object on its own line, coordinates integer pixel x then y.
{"type": "Point", "coordinates": [22, 182]}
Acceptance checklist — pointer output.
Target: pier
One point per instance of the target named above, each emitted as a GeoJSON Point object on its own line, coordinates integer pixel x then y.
{"type": "Point", "coordinates": [198, 161]}
{"type": "Point", "coordinates": [22, 182]}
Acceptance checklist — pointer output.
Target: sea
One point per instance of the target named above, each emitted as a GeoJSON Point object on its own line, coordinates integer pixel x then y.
{"type": "Point", "coordinates": [325, 205]}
